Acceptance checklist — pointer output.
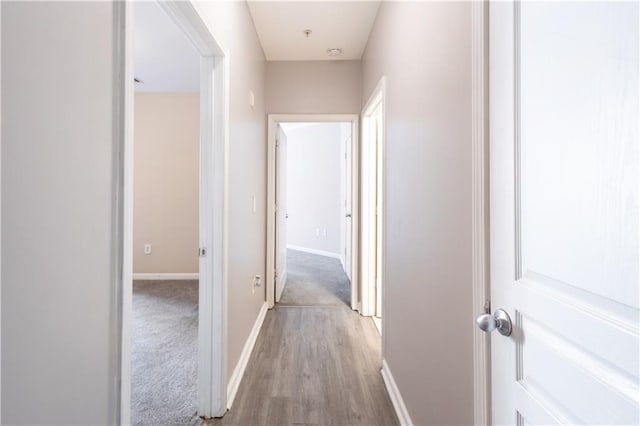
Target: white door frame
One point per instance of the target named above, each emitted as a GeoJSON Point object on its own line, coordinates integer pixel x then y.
{"type": "Point", "coordinates": [214, 89]}
{"type": "Point", "coordinates": [273, 121]}
{"type": "Point", "coordinates": [480, 207]}
{"type": "Point", "coordinates": [368, 251]}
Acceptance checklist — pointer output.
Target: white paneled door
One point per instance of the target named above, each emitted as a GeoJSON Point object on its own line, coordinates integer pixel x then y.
{"type": "Point", "coordinates": [564, 186]}
{"type": "Point", "coordinates": [281, 213]}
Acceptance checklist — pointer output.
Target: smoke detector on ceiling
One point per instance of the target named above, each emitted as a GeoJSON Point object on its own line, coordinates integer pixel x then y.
{"type": "Point", "coordinates": [334, 51]}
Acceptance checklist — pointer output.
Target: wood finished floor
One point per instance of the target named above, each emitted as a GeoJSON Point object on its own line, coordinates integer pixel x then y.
{"type": "Point", "coordinates": [316, 362]}
{"type": "Point", "coordinates": [313, 366]}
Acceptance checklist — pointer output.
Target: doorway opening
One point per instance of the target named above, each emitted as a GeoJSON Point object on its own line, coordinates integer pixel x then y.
{"type": "Point", "coordinates": [311, 224]}
{"type": "Point", "coordinates": [164, 344]}
{"type": "Point", "coordinates": [372, 199]}
{"type": "Point", "coordinates": [203, 303]}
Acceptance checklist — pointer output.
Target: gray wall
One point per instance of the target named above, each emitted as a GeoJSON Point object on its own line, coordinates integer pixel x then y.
{"type": "Point", "coordinates": [233, 27]}
{"type": "Point", "coordinates": [313, 87]}
{"type": "Point", "coordinates": [58, 333]}
{"type": "Point", "coordinates": [424, 50]}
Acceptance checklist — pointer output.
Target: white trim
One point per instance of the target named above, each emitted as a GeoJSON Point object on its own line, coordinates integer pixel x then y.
{"type": "Point", "coordinates": [479, 195]}
{"type": "Point", "coordinates": [314, 251]}
{"type": "Point", "coordinates": [0, 212]}
{"type": "Point", "coordinates": [396, 397]}
{"type": "Point", "coordinates": [273, 120]}
{"type": "Point", "coordinates": [367, 258]}
{"type": "Point", "coordinates": [143, 276]}
{"type": "Point", "coordinates": [123, 269]}
{"type": "Point", "coordinates": [214, 97]}
{"type": "Point", "coordinates": [378, 323]}
{"type": "Point", "coordinates": [238, 372]}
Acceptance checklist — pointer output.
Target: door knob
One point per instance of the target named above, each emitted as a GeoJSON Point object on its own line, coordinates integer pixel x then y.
{"type": "Point", "coordinates": [347, 215]}
{"type": "Point", "coordinates": [499, 320]}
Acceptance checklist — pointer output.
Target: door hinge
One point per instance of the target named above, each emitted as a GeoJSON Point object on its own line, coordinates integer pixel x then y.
{"type": "Point", "coordinates": [275, 275]}
{"type": "Point", "coordinates": [487, 306]}
{"type": "Point", "coordinates": [202, 251]}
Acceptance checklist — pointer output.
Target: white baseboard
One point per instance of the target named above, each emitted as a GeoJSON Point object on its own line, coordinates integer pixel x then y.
{"type": "Point", "coordinates": [238, 372]}
{"type": "Point", "coordinates": [167, 276]}
{"type": "Point", "coordinates": [394, 394]}
{"type": "Point", "coordinates": [314, 251]}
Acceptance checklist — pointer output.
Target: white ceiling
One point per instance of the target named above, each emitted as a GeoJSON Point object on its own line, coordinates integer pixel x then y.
{"type": "Point", "coordinates": [335, 24]}
{"type": "Point", "coordinates": [164, 58]}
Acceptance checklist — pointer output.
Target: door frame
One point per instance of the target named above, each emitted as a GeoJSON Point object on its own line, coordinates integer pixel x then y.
{"type": "Point", "coordinates": [368, 251]}
{"type": "Point", "coordinates": [273, 121]}
{"type": "Point", "coordinates": [214, 101]}
{"type": "Point", "coordinates": [480, 192]}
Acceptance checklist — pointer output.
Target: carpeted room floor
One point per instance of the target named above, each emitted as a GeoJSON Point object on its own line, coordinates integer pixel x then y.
{"type": "Point", "coordinates": [164, 352]}
{"type": "Point", "coordinates": [314, 280]}
{"type": "Point", "coordinates": [165, 327]}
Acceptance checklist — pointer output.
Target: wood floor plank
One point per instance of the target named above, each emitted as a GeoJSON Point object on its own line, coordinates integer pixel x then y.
{"type": "Point", "coordinates": [316, 362]}
{"type": "Point", "coordinates": [313, 366]}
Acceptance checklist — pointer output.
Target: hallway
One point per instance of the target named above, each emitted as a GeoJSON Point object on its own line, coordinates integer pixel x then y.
{"type": "Point", "coordinates": [313, 364]}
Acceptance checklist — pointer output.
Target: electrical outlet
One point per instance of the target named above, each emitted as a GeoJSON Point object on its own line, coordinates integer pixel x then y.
{"type": "Point", "coordinates": [147, 248]}
{"type": "Point", "coordinates": [257, 282]}
{"type": "Point", "coordinates": [317, 232]}
{"type": "Point", "coordinates": [324, 232]}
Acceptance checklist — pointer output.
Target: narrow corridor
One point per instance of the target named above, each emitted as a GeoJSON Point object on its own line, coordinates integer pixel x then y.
{"type": "Point", "coordinates": [313, 364]}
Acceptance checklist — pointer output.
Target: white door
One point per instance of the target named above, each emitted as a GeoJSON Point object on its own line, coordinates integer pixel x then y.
{"type": "Point", "coordinates": [348, 182]}
{"type": "Point", "coordinates": [281, 212]}
{"type": "Point", "coordinates": [564, 212]}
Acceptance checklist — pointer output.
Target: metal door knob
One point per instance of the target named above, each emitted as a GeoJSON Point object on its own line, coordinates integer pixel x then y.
{"type": "Point", "coordinates": [499, 320]}
{"type": "Point", "coordinates": [347, 215]}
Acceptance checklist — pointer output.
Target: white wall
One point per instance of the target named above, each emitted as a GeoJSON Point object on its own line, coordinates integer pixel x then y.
{"type": "Point", "coordinates": [313, 186]}
{"type": "Point", "coordinates": [313, 87]}
{"type": "Point", "coordinates": [232, 26]}
{"type": "Point", "coordinates": [424, 50]}
{"type": "Point", "coordinates": [59, 340]}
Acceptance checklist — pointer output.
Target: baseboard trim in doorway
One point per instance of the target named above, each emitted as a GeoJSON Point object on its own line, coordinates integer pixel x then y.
{"type": "Point", "coordinates": [314, 251]}
{"type": "Point", "coordinates": [378, 323]}
{"type": "Point", "coordinates": [167, 276]}
{"type": "Point", "coordinates": [394, 394]}
{"type": "Point", "coordinates": [238, 372]}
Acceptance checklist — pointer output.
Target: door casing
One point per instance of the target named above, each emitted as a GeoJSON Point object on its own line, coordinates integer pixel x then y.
{"type": "Point", "coordinates": [480, 206]}
{"type": "Point", "coordinates": [372, 253]}
{"type": "Point", "coordinates": [273, 121]}
{"type": "Point", "coordinates": [214, 89]}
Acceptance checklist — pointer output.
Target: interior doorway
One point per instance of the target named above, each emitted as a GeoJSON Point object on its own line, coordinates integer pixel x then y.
{"type": "Point", "coordinates": [164, 343]}
{"type": "Point", "coordinates": [372, 199]}
{"type": "Point", "coordinates": [312, 191]}
{"type": "Point", "coordinates": [211, 248]}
